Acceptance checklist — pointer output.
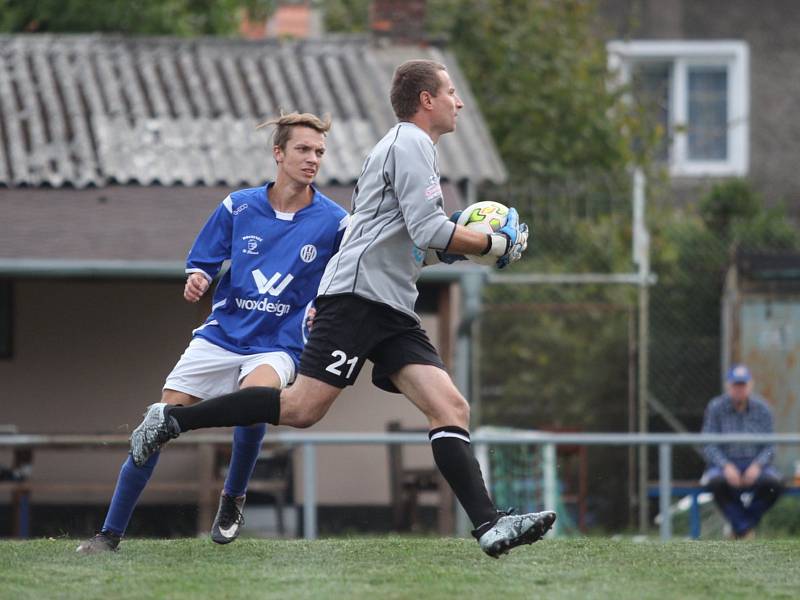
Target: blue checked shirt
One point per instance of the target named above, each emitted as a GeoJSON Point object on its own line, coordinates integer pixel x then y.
{"type": "Point", "coordinates": [722, 417]}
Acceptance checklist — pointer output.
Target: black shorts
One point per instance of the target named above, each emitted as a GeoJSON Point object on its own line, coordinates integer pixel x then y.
{"type": "Point", "coordinates": [349, 329]}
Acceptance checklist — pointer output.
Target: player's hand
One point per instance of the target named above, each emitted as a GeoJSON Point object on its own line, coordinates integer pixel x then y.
{"type": "Point", "coordinates": [312, 312]}
{"type": "Point", "coordinates": [751, 474]}
{"type": "Point", "coordinates": [517, 235]}
{"type": "Point", "coordinates": [732, 475]}
{"type": "Point", "coordinates": [196, 286]}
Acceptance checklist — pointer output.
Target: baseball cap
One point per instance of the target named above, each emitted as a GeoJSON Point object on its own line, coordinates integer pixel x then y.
{"type": "Point", "coordinates": [739, 374]}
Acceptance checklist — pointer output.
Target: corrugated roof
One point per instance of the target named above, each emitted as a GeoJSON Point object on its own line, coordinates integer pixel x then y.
{"type": "Point", "coordinates": [94, 110]}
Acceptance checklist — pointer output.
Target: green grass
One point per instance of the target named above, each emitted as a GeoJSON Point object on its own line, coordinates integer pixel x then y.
{"type": "Point", "coordinates": [398, 567]}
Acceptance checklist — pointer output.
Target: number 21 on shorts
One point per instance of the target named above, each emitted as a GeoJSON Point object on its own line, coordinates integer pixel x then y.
{"type": "Point", "coordinates": [341, 359]}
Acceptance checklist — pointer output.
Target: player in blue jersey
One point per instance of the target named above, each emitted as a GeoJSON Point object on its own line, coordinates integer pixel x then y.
{"type": "Point", "coordinates": [278, 239]}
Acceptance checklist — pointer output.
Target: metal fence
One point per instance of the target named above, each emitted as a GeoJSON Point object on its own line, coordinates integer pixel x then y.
{"type": "Point", "coordinates": [630, 303]}
{"type": "Point", "coordinates": [481, 440]}
{"type": "Point", "coordinates": [567, 323]}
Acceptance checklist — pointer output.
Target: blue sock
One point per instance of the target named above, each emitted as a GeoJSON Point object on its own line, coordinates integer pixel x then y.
{"type": "Point", "coordinates": [246, 447]}
{"type": "Point", "coordinates": [130, 484]}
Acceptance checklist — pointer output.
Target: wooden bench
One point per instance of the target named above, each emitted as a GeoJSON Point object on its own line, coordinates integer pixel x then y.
{"type": "Point", "coordinates": [406, 483]}
{"type": "Point", "coordinates": [212, 450]}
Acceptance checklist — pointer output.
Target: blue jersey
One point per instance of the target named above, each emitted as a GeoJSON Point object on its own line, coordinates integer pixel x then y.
{"type": "Point", "coordinates": [276, 263]}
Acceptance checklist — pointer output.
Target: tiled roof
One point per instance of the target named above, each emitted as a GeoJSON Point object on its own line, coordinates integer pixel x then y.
{"type": "Point", "coordinates": [94, 110]}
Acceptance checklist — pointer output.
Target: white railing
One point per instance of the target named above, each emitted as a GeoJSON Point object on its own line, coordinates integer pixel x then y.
{"type": "Point", "coordinates": [548, 441]}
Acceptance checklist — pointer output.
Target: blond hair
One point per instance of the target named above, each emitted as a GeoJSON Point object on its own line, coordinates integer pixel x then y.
{"type": "Point", "coordinates": [285, 122]}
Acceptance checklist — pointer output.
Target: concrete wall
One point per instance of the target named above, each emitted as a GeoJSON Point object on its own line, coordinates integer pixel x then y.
{"type": "Point", "coordinates": [121, 222]}
{"type": "Point", "coordinates": [770, 29]}
{"type": "Point", "coordinates": [90, 355]}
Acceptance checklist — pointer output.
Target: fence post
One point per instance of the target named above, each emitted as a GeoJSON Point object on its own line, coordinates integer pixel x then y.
{"type": "Point", "coordinates": [641, 256]}
{"type": "Point", "coordinates": [665, 489]}
{"type": "Point", "coordinates": [309, 491]}
{"type": "Point", "coordinates": [466, 373]}
{"type": "Point", "coordinates": [550, 481]}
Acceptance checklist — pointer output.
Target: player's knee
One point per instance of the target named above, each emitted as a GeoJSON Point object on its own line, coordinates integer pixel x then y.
{"type": "Point", "coordinates": [301, 410]}
{"type": "Point", "coordinates": [455, 411]}
{"type": "Point", "coordinates": [462, 411]}
{"type": "Point", "coordinates": [305, 421]}
{"type": "Point", "coordinates": [175, 397]}
{"type": "Point", "coordinates": [302, 417]}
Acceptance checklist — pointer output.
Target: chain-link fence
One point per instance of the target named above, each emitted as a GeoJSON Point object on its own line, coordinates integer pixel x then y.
{"type": "Point", "coordinates": [518, 475]}
{"type": "Point", "coordinates": [557, 343]}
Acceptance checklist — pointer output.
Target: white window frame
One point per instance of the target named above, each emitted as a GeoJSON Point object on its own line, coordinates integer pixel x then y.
{"type": "Point", "coordinates": [735, 56]}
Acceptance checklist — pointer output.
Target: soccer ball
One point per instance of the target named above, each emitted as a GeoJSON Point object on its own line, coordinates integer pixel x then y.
{"type": "Point", "coordinates": [486, 217]}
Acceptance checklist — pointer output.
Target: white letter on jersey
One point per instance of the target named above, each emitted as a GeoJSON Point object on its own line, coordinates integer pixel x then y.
{"type": "Point", "coordinates": [265, 286]}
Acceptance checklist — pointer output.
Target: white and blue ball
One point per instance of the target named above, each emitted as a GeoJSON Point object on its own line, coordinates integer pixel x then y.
{"type": "Point", "coordinates": [487, 217]}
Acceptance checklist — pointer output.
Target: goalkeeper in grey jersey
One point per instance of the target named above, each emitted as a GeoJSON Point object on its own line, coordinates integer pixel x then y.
{"type": "Point", "coordinates": [365, 310]}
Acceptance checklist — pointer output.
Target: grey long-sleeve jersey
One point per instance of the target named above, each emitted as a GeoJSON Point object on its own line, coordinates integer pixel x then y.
{"type": "Point", "coordinates": [397, 214]}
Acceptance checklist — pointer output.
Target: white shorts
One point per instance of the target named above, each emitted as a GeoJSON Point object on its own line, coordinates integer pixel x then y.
{"type": "Point", "coordinates": [206, 370]}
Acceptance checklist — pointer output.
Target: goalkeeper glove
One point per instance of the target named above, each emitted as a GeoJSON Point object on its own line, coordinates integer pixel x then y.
{"type": "Point", "coordinates": [510, 241]}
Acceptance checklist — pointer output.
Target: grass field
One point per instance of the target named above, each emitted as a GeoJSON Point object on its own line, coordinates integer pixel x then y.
{"type": "Point", "coordinates": [396, 567]}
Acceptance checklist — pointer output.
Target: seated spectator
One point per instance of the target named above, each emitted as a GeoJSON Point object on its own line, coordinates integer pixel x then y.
{"type": "Point", "coordinates": [741, 477]}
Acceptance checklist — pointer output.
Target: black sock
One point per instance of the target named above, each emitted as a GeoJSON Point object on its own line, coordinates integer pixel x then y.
{"type": "Point", "coordinates": [246, 407]}
{"type": "Point", "coordinates": [453, 456]}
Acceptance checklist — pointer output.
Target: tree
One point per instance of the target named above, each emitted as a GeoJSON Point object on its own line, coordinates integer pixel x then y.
{"type": "Point", "coordinates": [146, 17]}
{"type": "Point", "coordinates": [691, 251]}
{"type": "Point", "coordinates": [539, 73]}
{"type": "Point", "coordinates": [351, 16]}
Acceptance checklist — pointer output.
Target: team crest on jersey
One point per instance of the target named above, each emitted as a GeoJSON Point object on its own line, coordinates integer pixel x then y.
{"type": "Point", "coordinates": [308, 253]}
{"type": "Point", "coordinates": [251, 244]}
{"type": "Point", "coordinates": [433, 190]}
